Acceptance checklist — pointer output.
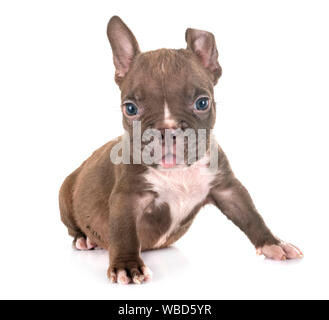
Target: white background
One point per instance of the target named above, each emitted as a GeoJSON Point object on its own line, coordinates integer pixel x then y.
{"type": "Point", "coordinates": [59, 102]}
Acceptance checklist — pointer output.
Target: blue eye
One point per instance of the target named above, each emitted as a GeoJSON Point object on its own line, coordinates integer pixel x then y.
{"type": "Point", "coordinates": [202, 104]}
{"type": "Point", "coordinates": [131, 109]}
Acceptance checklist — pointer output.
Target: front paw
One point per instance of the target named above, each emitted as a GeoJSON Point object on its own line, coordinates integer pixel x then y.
{"type": "Point", "coordinates": [124, 271]}
{"type": "Point", "coordinates": [281, 251]}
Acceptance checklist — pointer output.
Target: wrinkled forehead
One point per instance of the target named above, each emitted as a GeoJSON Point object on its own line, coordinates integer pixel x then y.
{"type": "Point", "coordinates": [164, 74]}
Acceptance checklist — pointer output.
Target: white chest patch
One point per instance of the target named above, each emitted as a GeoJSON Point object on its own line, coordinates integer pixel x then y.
{"type": "Point", "coordinates": [182, 189]}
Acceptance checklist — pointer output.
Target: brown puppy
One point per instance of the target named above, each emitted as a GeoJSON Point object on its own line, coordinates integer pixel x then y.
{"type": "Point", "coordinates": [133, 205]}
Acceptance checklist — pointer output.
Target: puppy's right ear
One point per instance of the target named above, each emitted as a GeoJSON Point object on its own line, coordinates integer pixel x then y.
{"type": "Point", "coordinates": [124, 47]}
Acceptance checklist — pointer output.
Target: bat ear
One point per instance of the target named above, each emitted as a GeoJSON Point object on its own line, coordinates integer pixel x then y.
{"type": "Point", "coordinates": [203, 44]}
{"type": "Point", "coordinates": [124, 47]}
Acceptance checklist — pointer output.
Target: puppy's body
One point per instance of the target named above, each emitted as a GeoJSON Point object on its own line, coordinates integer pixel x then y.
{"type": "Point", "coordinates": [126, 208]}
{"type": "Point", "coordinates": [170, 198]}
{"type": "Point", "coordinates": [178, 191]}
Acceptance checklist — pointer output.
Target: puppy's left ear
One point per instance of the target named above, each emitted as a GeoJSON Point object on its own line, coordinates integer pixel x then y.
{"type": "Point", "coordinates": [203, 44]}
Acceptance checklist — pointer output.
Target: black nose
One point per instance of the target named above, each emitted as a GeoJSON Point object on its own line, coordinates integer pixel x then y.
{"type": "Point", "coordinates": [171, 133]}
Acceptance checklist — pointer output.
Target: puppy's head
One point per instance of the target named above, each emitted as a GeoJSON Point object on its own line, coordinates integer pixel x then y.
{"type": "Point", "coordinates": [165, 89]}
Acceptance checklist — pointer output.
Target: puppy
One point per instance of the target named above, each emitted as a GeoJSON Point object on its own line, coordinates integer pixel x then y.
{"type": "Point", "coordinates": [127, 200]}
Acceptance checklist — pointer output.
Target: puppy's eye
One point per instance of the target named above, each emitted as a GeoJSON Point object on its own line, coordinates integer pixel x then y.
{"type": "Point", "coordinates": [202, 104]}
{"type": "Point", "coordinates": [130, 109]}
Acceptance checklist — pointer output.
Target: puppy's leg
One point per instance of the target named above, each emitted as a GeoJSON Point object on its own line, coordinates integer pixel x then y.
{"type": "Point", "coordinates": [235, 202]}
{"type": "Point", "coordinates": [80, 242]}
{"type": "Point", "coordinates": [126, 264]}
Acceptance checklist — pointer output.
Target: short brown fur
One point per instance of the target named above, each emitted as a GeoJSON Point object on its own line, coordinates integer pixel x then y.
{"type": "Point", "coordinates": [112, 204]}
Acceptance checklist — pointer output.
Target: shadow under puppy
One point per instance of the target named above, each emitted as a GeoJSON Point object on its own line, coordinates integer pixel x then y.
{"type": "Point", "coordinates": [126, 208]}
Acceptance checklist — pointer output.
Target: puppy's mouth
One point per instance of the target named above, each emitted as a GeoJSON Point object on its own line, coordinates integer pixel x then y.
{"type": "Point", "coordinates": [167, 155]}
{"type": "Point", "coordinates": [169, 158]}
{"type": "Point", "coordinates": [175, 155]}
{"type": "Point", "coordinates": [176, 150]}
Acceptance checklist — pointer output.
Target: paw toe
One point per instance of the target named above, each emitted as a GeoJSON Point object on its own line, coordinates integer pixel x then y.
{"type": "Point", "coordinates": [136, 276]}
{"type": "Point", "coordinates": [122, 277]}
{"type": "Point", "coordinates": [128, 274]}
{"type": "Point", "coordinates": [112, 276]}
{"type": "Point", "coordinates": [147, 273]}
{"type": "Point", "coordinates": [280, 252]}
{"type": "Point", "coordinates": [81, 244]}
{"type": "Point", "coordinates": [84, 244]}
{"type": "Point", "coordinates": [90, 244]}
{"type": "Point", "coordinates": [291, 251]}
{"type": "Point", "coordinates": [274, 252]}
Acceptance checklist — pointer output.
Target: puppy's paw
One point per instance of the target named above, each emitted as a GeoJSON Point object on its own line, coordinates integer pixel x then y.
{"type": "Point", "coordinates": [84, 244]}
{"type": "Point", "coordinates": [129, 272]}
{"type": "Point", "coordinates": [281, 251]}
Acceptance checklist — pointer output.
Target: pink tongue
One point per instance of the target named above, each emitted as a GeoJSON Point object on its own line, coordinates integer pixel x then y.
{"type": "Point", "coordinates": [168, 162]}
